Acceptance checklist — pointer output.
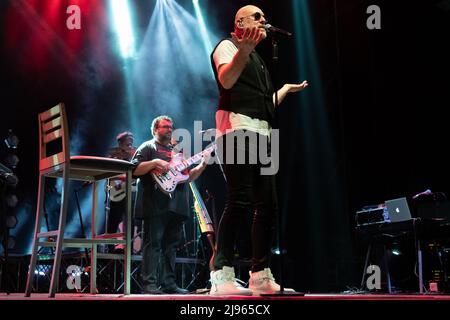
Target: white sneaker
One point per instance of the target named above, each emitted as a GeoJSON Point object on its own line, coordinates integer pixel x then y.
{"type": "Point", "coordinates": [263, 282]}
{"type": "Point", "coordinates": [223, 283]}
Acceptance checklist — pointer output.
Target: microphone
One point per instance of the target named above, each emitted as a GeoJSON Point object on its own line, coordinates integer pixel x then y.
{"type": "Point", "coordinates": [273, 29]}
{"type": "Point", "coordinates": [425, 193]}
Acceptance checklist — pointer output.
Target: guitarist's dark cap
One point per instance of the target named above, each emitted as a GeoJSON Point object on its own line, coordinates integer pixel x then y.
{"type": "Point", "coordinates": [124, 135]}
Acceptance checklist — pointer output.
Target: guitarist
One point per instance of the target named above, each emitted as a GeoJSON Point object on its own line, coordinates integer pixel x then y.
{"type": "Point", "coordinates": [163, 216]}
{"type": "Point", "coordinates": [123, 151]}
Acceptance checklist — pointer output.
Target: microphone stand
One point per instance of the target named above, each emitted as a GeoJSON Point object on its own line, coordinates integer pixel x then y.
{"type": "Point", "coordinates": [279, 237]}
{"type": "Point", "coordinates": [217, 157]}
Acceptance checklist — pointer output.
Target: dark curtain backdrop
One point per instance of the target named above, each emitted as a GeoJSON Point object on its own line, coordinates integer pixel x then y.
{"type": "Point", "coordinates": [384, 95]}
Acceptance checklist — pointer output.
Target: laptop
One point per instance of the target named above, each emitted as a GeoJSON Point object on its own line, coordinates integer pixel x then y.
{"type": "Point", "coordinates": [398, 210]}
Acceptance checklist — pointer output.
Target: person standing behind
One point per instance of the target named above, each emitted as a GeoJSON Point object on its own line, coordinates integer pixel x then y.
{"type": "Point", "coordinates": [116, 186]}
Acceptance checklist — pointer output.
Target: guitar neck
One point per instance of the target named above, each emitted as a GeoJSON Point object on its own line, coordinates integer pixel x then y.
{"type": "Point", "coordinates": [190, 161]}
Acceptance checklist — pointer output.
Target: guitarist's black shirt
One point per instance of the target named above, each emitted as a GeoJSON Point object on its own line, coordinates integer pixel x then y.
{"type": "Point", "coordinates": [150, 200]}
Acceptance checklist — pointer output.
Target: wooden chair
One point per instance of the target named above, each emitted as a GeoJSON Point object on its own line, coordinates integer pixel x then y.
{"type": "Point", "coordinates": [53, 129]}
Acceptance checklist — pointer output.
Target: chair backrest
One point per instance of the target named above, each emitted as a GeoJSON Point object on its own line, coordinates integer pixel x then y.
{"type": "Point", "coordinates": [53, 129]}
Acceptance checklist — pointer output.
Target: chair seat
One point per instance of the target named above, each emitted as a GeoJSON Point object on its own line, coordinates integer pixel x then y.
{"type": "Point", "coordinates": [97, 168]}
{"type": "Point", "coordinates": [90, 168]}
{"type": "Point", "coordinates": [102, 163]}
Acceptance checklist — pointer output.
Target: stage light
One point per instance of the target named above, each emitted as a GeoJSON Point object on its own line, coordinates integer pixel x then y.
{"type": "Point", "coordinates": [9, 178]}
{"type": "Point", "coordinates": [11, 200]}
{"type": "Point", "coordinates": [203, 31]}
{"type": "Point", "coordinates": [11, 161]}
{"type": "Point", "coordinates": [11, 221]}
{"type": "Point", "coordinates": [122, 22]}
{"type": "Point", "coordinates": [12, 141]}
{"type": "Point", "coordinates": [11, 242]}
{"type": "Point", "coordinates": [276, 251]}
{"type": "Point", "coordinates": [8, 200]}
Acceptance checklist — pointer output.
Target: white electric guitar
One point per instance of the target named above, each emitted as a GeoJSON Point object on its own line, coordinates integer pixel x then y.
{"type": "Point", "coordinates": [168, 181]}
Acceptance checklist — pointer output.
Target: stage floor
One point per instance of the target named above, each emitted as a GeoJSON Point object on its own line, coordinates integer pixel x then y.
{"type": "Point", "coordinates": [206, 297]}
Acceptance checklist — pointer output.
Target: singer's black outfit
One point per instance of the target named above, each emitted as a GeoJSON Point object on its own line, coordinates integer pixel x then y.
{"type": "Point", "coordinates": [247, 189]}
{"type": "Point", "coordinates": [163, 223]}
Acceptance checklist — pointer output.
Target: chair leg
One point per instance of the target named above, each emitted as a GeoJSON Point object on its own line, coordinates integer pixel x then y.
{"type": "Point", "coordinates": [94, 268]}
{"type": "Point", "coordinates": [37, 229]}
{"type": "Point", "coordinates": [94, 246]}
{"type": "Point", "coordinates": [60, 236]}
{"type": "Point", "coordinates": [128, 239]}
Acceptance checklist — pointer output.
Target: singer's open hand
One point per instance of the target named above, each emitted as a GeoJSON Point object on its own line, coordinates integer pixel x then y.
{"type": "Point", "coordinates": [289, 88]}
{"type": "Point", "coordinates": [250, 38]}
{"type": "Point", "coordinates": [296, 87]}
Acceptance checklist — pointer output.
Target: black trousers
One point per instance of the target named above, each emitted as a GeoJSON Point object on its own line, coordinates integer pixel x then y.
{"type": "Point", "coordinates": [247, 190]}
{"type": "Point", "coordinates": [162, 235]}
{"type": "Point", "coordinates": [117, 211]}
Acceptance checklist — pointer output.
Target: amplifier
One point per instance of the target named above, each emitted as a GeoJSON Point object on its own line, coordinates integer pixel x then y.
{"type": "Point", "coordinates": [371, 216]}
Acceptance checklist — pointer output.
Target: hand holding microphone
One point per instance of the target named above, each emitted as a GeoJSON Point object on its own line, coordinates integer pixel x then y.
{"type": "Point", "coordinates": [272, 29]}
